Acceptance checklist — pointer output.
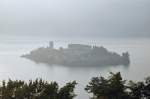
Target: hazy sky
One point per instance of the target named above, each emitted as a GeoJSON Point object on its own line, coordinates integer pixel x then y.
{"type": "Point", "coordinates": [96, 18]}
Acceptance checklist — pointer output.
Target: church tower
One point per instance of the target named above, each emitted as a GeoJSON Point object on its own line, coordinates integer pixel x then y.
{"type": "Point", "coordinates": [51, 44]}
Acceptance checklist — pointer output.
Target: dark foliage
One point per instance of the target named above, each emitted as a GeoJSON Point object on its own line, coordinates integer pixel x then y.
{"type": "Point", "coordinates": [114, 87]}
{"type": "Point", "coordinates": [37, 89]}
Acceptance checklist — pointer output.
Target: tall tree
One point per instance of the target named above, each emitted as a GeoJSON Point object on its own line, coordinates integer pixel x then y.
{"type": "Point", "coordinates": [111, 88]}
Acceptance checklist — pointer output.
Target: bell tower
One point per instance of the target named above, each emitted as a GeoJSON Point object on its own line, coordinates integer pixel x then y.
{"type": "Point", "coordinates": [51, 44]}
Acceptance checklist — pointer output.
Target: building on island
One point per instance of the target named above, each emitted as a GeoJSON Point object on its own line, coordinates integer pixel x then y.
{"type": "Point", "coordinates": [51, 44]}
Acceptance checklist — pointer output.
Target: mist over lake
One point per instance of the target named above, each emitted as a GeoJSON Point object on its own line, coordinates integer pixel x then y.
{"type": "Point", "coordinates": [120, 29]}
{"type": "Point", "coordinates": [14, 67]}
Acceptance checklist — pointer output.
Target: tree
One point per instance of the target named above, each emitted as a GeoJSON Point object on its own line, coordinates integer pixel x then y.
{"type": "Point", "coordinates": [67, 92]}
{"type": "Point", "coordinates": [146, 91]}
{"type": "Point", "coordinates": [111, 88]}
{"type": "Point", "coordinates": [50, 91]}
{"type": "Point", "coordinates": [117, 86]}
{"type": "Point", "coordinates": [139, 90]}
{"type": "Point", "coordinates": [37, 89]}
{"type": "Point", "coordinates": [99, 87]}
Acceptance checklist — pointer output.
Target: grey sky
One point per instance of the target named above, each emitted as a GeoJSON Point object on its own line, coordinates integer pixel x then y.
{"type": "Point", "coordinates": [99, 18]}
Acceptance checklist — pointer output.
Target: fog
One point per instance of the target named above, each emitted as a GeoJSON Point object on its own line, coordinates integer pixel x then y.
{"type": "Point", "coordinates": [86, 18]}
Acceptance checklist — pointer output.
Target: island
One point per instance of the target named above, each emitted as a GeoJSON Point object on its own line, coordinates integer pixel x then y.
{"type": "Point", "coordinates": [77, 55]}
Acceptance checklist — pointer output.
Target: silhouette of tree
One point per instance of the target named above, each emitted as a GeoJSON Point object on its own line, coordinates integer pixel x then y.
{"type": "Point", "coordinates": [111, 88]}
{"type": "Point", "coordinates": [37, 89]}
{"type": "Point", "coordinates": [140, 90]}
{"type": "Point", "coordinates": [146, 91]}
{"type": "Point", "coordinates": [67, 92]}
{"type": "Point", "coordinates": [99, 87]}
{"type": "Point", "coordinates": [117, 87]}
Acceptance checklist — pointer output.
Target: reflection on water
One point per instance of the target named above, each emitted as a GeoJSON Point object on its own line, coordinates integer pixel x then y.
{"type": "Point", "coordinates": [14, 67]}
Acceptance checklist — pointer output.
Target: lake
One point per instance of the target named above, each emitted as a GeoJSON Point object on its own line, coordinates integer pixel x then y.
{"type": "Point", "coordinates": [14, 67]}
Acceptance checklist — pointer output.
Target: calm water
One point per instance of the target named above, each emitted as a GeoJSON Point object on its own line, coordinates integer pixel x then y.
{"type": "Point", "coordinates": [14, 67]}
